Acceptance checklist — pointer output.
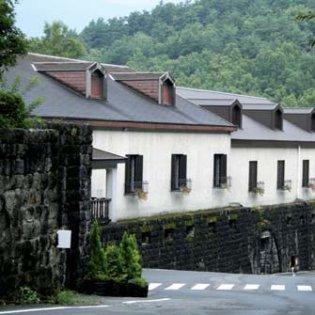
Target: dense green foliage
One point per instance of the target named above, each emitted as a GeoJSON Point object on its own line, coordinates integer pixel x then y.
{"type": "Point", "coordinates": [58, 40]}
{"type": "Point", "coordinates": [12, 110]}
{"type": "Point", "coordinates": [97, 264]}
{"type": "Point", "coordinates": [118, 263]}
{"type": "Point", "coordinates": [131, 257]}
{"type": "Point", "coordinates": [12, 41]}
{"type": "Point", "coordinates": [254, 47]}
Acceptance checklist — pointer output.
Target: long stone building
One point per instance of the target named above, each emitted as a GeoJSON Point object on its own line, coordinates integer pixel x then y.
{"type": "Point", "coordinates": [160, 148]}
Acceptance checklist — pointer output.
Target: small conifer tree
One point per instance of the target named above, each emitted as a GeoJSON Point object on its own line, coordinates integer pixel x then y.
{"type": "Point", "coordinates": [131, 257]}
{"type": "Point", "coordinates": [114, 263]}
{"type": "Point", "coordinates": [97, 265]}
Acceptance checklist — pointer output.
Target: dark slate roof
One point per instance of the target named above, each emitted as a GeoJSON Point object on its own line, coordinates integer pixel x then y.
{"type": "Point", "coordinates": [299, 110]}
{"type": "Point", "coordinates": [213, 102]}
{"type": "Point", "coordinates": [253, 130]}
{"type": "Point", "coordinates": [260, 106]}
{"type": "Point", "coordinates": [100, 155]}
{"type": "Point", "coordinates": [123, 103]}
{"type": "Point", "coordinates": [195, 94]}
{"type": "Point", "coordinates": [61, 66]}
{"type": "Point", "coordinates": [126, 76]}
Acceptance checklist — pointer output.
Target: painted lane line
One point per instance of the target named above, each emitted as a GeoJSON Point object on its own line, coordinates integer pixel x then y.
{"type": "Point", "coordinates": [147, 301]}
{"type": "Point", "coordinates": [175, 286]}
{"type": "Point", "coordinates": [225, 287]}
{"type": "Point", "coordinates": [153, 286]}
{"type": "Point", "coordinates": [304, 288]}
{"type": "Point", "coordinates": [277, 287]}
{"type": "Point", "coordinates": [251, 287]}
{"type": "Point", "coordinates": [200, 286]}
{"type": "Point", "coordinates": [47, 309]}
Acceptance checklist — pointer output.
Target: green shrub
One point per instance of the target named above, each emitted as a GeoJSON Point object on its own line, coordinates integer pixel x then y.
{"type": "Point", "coordinates": [139, 281]}
{"type": "Point", "coordinates": [13, 113]}
{"type": "Point", "coordinates": [97, 264]}
{"type": "Point", "coordinates": [131, 257]}
{"type": "Point", "coordinates": [65, 297]}
{"type": "Point", "coordinates": [26, 295]}
{"type": "Point", "coordinates": [114, 263]}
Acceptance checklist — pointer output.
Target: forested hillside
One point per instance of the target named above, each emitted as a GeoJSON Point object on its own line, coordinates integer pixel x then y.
{"type": "Point", "coordinates": [247, 46]}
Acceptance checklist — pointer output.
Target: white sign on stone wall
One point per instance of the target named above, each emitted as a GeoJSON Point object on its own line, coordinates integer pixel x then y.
{"type": "Point", "coordinates": [64, 239]}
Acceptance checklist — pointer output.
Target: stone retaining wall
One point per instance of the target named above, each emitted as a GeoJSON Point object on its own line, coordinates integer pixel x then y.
{"type": "Point", "coordinates": [44, 186]}
{"type": "Point", "coordinates": [257, 240]}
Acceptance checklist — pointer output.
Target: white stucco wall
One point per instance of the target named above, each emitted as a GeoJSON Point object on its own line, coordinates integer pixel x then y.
{"type": "Point", "coordinates": [157, 148]}
{"type": "Point", "coordinates": [267, 172]}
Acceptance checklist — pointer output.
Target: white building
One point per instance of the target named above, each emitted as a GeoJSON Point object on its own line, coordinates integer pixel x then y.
{"type": "Point", "coordinates": [159, 148]}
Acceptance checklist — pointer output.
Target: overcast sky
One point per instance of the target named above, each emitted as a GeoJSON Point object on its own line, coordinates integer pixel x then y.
{"type": "Point", "coordinates": [32, 14]}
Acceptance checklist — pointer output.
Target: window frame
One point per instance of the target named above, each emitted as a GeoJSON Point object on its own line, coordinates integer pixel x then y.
{"type": "Point", "coordinates": [178, 171]}
{"type": "Point", "coordinates": [219, 170]}
{"type": "Point", "coordinates": [280, 174]}
{"type": "Point", "coordinates": [133, 173]}
{"type": "Point", "coordinates": [305, 173]}
{"type": "Point", "coordinates": [252, 182]}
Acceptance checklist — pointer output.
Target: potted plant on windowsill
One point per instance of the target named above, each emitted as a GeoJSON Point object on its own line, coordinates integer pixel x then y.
{"type": "Point", "coordinates": [287, 185]}
{"type": "Point", "coordinates": [186, 187]}
{"type": "Point", "coordinates": [259, 189]}
{"type": "Point", "coordinates": [115, 270]}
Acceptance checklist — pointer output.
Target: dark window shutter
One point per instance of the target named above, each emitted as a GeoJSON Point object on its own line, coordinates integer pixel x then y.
{"type": "Point", "coordinates": [305, 179]}
{"type": "Point", "coordinates": [183, 170]}
{"type": "Point", "coordinates": [128, 175]}
{"type": "Point", "coordinates": [216, 175]}
{"type": "Point", "coordinates": [252, 175]}
{"type": "Point", "coordinates": [223, 166]}
{"type": "Point", "coordinates": [138, 171]}
{"type": "Point", "coordinates": [280, 175]}
{"type": "Point", "coordinates": [173, 166]}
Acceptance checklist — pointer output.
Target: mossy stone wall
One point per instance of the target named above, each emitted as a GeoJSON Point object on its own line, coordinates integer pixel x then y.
{"type": "Point", "coordinates": [247, 240]}
{"type": "Point", "coordinates": [44, 186]}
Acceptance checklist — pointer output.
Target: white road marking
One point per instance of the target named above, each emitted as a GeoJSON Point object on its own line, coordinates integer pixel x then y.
{"type": "Point", "coordinates": [46, 309]}
{"type": "Point", "coordinates": [251, 287]}
{"type": "Point", "coordinates": [277, 287]}
{"type": "Point", "coordinates": [146, 301]}
{"type": "Point", "coordinates": [200, 286]}
{"type": "Point", "coordinates": [153, 286]}
{"type": "Point", "coordinates": [175, 286]}
{"type": "Point", "coordinates": [224, 287]}
{"type": "Point", "coordinates": [304, 288]}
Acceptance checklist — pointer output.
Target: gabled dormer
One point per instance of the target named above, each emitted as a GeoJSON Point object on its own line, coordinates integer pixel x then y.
{"type": "Point", "coordinates": [301, 117]}
{"type": "Point", "coordinates": [85, 78]}
{"type": "Point", "coordinates": [229, 109]}
{"type": "Point", "coordinates": [158, 86]}
{"type": "Point", "coordinates": [270, 115]}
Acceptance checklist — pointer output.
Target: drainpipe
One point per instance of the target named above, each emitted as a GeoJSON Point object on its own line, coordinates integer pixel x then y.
{"type": "Point", "coordinates": [298, 172]}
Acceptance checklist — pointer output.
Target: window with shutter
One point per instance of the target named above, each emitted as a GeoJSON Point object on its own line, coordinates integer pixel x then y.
{"type": "Point", "coordinates": [178, 171]}
{"type": "Point", "coordinates": [306, 169]}
{"type": "Point", "coordinates": [252, 185]}
{"type": "Point", "coordinates": [219, 170]}
{"type": "Point", "coordinates": [133, 173]}
{"type": "Point", "coordinates": [280, 175]}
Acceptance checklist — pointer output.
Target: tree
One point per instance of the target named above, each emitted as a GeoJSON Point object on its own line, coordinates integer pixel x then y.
{"type": "Point", "coordinates": [58, 40]}
{"type": "Point", "coordinates": [97, 264]}
{"type": "Point", "coordinates": [131, 257]}
{"type": "Point", "coordinates": [12, 40]}
{"type": "Point", "coordinates": [307, 17]}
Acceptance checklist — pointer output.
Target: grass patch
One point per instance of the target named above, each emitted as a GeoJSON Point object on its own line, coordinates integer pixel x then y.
{"type": "Point", "coordinates": [68, 297]}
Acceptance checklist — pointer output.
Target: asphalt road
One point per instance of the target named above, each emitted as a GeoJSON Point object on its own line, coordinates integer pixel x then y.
{"type": "Point", "coordinates": [182, 292]}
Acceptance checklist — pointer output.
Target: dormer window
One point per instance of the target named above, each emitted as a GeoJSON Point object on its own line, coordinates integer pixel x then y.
{"type": "Point", "coordinates": [237, 116]}
{"type": "Point", "coordinates": [313, 122]}
{"type": "Point", "coordinates": [278, 119]}
{"type": "Point", "coordinates": [167, 93]}
{"type": "Point", "coordinates": [97, 84]}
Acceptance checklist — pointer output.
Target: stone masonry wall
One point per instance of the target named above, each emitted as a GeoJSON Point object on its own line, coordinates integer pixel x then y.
{"type": "Point", "coordinates": [257, 240]}
{"type": "Point", "coordinates": [44, 186]}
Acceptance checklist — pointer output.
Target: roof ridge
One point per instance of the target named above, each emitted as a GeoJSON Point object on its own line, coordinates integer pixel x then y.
{"type": "Point", "coordinates": [75, 60]}
{"type": "Point", "coordinates": [220, 92]}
